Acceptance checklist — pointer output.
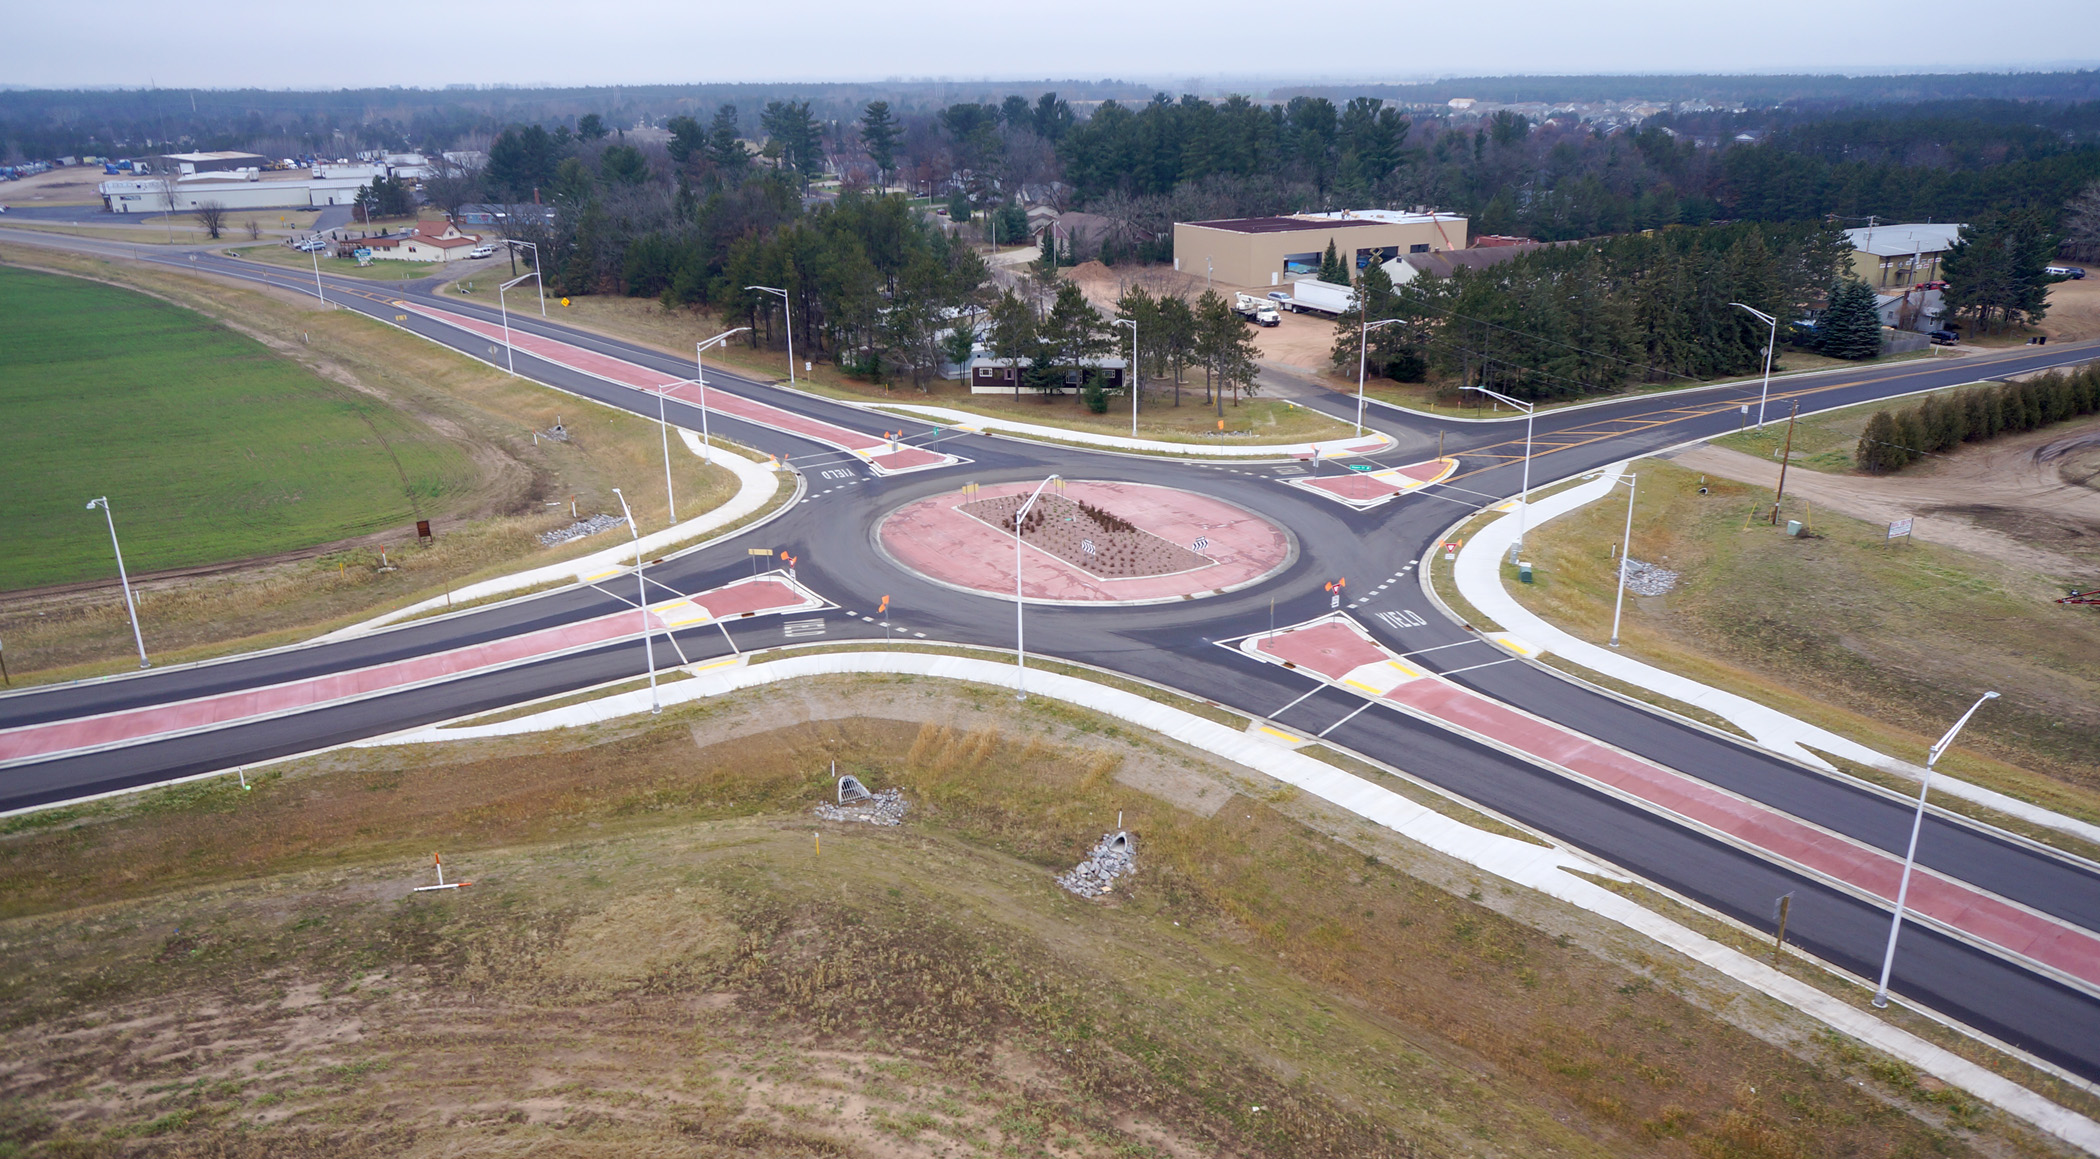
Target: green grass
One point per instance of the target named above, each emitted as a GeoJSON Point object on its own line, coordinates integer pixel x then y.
{"type": "Point", "coordinates": [210, 446]}
{"type": "Point", "coordinates": [379, 271]}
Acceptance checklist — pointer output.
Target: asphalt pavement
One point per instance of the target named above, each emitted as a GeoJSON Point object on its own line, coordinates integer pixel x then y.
{"type": "Point", "coordinates": [1174, 644]}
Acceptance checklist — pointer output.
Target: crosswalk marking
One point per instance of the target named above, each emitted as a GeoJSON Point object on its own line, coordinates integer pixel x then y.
{"type": "Point", "coordinates": [799, 629]}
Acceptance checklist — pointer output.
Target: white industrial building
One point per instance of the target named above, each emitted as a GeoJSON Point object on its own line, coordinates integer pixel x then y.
{"type": "Point", "coordinates": [240, 190]}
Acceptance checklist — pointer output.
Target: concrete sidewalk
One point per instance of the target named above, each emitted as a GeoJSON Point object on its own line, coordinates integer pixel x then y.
{"type": "Point", "coordinates": [1478, 575]}
{"type": "Point", "coordinates": [1548, 870]}
{"type": "Point", "coordinates": [757, 483]}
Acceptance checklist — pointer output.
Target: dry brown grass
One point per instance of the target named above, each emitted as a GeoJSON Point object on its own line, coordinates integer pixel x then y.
{"type": "Point", "coordinates": [525, 489]}
{"type": "Point", "coordinates": [656, 959]}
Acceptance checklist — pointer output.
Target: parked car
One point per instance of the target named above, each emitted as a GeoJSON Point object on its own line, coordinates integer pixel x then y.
{"type": "Point", "coordinates": [2072, 272]}
{"type": "Point", "coordinates": [1945, 337]}
{"type": "Point", "coordinates": [482, 251]}
{"type": "Point", "coordinates": [1930, 286]}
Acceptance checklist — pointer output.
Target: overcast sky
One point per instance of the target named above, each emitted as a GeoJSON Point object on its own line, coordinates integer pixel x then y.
{"type": "Point", "coordinates": [238, 43]}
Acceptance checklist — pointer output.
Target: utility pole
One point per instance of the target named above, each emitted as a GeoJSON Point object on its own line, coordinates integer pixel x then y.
{"type": "Point", "coordinates": [1785, 456]}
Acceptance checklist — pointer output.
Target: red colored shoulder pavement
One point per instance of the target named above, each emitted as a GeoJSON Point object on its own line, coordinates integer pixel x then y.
{"type": "Point", "coordinates": [227, 708]}
{"type": "Point", "coordinates": [624, 373]}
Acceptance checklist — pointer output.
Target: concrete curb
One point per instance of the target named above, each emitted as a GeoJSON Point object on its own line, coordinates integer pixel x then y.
{"type": "Point", "coordinates": [986, 424]}
{"type": "Point", "coordinates": [1478, 576]}
{"type": "Point", "coordinates": [757, 485]}
{"type": "Point", "coordinates": [1542, 869]}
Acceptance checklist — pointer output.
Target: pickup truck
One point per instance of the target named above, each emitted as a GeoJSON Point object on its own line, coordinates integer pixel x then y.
{"type": "Point", "coordinates": [1313, 296]}
{"type": "Point", "coordinates": [1259, 311]}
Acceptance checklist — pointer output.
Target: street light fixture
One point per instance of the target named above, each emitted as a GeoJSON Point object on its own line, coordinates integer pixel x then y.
{"type": "Point", "coordinates": [788, 311]}
{"type": "Point", "coordinates": [1133, 375]}
{"type": "Point", "coordinates": [1888, 957]}
{"type": "Point", "coordinates": [1363, 349]}
{"type": "Point", "coordinates": [129, 605]}
{"type": "Point", "coordinates": [513, 246]}
{"type": "Point", "coordinates": [1020, 645]}
{"type": "Point", "coordinates": [1770, 341]}
{"type": "Point", "coordinates": [510, 355]}
{"type": "Point", "coordinates": [1625, 547]}
{"type": "Point", "coordinates": [641, 595]}
{"type": "Point", "coordinates": [701, 377]}
{"type": "Point", "coordinates": [1524, 500]}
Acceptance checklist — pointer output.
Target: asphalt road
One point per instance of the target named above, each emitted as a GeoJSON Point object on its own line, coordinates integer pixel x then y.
{"type": "Point", "coordinates": [1174, 645]}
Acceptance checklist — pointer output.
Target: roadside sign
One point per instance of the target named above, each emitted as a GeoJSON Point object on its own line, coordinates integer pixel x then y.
{"type": "Point", "coordinates": [1899, 528]}
{"type": "Point", "coordinates": [1361, 467]}
{"type": "Point", "coordinates": [764, 551]}
{"type": "Point", "coordinates": [1202, 544]}
{"type": "Point", "coordinates": [1451, 549]}
{"type": "Point", "coordinates": [1087, 546]}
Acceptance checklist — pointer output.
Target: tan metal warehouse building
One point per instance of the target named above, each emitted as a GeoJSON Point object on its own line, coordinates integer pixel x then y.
{"type": "Point", "coordinates": [1269, 251]}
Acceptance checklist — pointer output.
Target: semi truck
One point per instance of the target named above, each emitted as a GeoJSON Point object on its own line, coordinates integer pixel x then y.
{"type": "Point", "coordinates": [1260, 311]}
{"type": "Point", "coordinates": [1313, 296]}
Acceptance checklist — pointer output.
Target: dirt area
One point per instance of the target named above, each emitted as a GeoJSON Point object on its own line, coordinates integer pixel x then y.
{"type": "Point", "coordinates": [1088, 537]}
{"type": "Point", "coordinates": [2029, 500]}
{"type": "Point", "coordinates": [75, 185]}
{"type": "Point", "coordinates": [525, 488]}
{"type": "Point", "coordinates": [658, 957]}
{"type": "Point", "coordinates": [2074, 308]}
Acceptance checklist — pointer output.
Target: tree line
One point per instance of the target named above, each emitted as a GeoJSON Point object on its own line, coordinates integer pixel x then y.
{"type": "Point", "coordinates": [1566, 320]}
{"type": "Point", "coordinates": [1939, 423]}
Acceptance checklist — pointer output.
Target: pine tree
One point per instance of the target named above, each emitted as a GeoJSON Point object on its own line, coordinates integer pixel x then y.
{"type": "Point", "coordinates": [1851, 327]}
{"type": "Point", "coordinates": [880, 134]}
{"type": "Point", "coordinates": [1333, 270]}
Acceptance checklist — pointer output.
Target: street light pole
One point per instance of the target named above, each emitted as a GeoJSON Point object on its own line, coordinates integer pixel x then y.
{"type": "Point", "coordinates": [1133, 375]}
{"type": "Point", "coordinates": [1770, 341]}
{"type": "Point", "coordinates": [129, 605]}
{"type": "Point", "coordinates": [641, 595]}
{"type": "Point", "coordinates": [700, 376]}
{"type": "Point", "coordinates": [510, 355]}
{"type": "Point", "coordinates": [535, 266]}
{"type": "Point", "coordinates": [1524, 500]}
{"type": "Point", "coordinates": [1363, 350]}
{"type": "Point", "coordinates": [1020, 644]}
{"type": "Point", "coordinates": [1625, 544]}
{"type": "Point", "coordinates": [318, 291]}
{"type": "Point", "coordinates": [788, 312]}
{"type": "Point", "coordinates": [1888, 957]}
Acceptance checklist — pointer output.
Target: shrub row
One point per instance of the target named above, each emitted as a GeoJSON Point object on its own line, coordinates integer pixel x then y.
{"type": "Point", "coordinates": [1895, 439]}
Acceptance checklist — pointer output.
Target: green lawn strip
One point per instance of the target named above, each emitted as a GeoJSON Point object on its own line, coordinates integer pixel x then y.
{"type": "Point", "coordinates": [668, 676]}
{"type": "Point", "coordinates": [209, 446]}
{"type": "Point", "coordinates": [1418, 793]}
{"type": "Point", "coordinates": [380, 270]}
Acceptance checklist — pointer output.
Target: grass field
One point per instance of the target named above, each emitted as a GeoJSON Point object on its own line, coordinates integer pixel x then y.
{"type": "Point", "coordinates": [210, 446]}
{"type": "Point", "coordinates": [1884, 643]}
{"type": "Point", "coordinates": [522, 488]}
{"type": "Point", "coordinates": [658, 957]}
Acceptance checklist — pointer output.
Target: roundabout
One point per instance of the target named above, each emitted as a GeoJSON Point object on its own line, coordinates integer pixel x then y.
{"type": "Point", "coordinates": [1086, 542]}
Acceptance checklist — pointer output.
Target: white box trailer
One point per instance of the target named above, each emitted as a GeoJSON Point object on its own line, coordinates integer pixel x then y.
{"type": "Point", "coordinates": [1313, 296]}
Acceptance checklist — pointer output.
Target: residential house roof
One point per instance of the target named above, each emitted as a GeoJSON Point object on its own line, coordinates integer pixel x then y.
{"type": "Point", "coordinates": [1890, 241]}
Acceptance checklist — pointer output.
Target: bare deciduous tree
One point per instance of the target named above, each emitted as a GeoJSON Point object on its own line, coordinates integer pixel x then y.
{"type": "Point", "coordinates": [212, 216]}
{"type": "Point", "coordinates": [254, 229]}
